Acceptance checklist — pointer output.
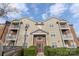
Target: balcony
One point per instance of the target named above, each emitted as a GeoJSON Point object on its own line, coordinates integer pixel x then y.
{"type": "Point", "coordinates": [67, 37]}
{"type": "Point", "coordinates": [67, 46]}
{"type": "Point", "coordinates": [11, 37]}
{"type": "Point", "coordinates": [64, 27]}
{"type": "Point", "coordinates": [14, 27]}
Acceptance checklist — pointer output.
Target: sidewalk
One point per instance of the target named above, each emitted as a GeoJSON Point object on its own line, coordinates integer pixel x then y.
{"type": "Point", "coordinates": [40, 54]}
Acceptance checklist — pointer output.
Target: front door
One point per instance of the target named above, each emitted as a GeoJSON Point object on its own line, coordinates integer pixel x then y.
{"type": "Point", "coordinates": [40, 41]}
{"type": "Point", "coordinates": [39, 47]}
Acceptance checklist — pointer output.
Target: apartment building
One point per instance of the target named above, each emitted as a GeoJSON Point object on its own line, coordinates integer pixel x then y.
{"type": "Point", "coordinates": [77, 41]}
{"type": "Point", "coordinates": [74, 35]}
{"type": "Point", "coordinates": [3, 31]}
{"type": "Point", "coordinates": [53, 32]}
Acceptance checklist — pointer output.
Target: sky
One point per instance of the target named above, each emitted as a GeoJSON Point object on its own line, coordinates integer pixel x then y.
{"type": "Point", "coordinates": [42, 11]}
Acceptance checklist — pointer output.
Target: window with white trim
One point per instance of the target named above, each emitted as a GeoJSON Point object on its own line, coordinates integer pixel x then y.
{"type": "Point", "coordinates": [54, 45]}
{"type": "Point", "coordinates": [51, 26]}
{"type": "Point", "coordinates": [53, 35]}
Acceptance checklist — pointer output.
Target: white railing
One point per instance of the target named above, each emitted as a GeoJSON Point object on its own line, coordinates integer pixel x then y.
{"type": "Point", "coordinates": [67, 37]}
{"type": "Point", "coordinates": [67, 46]}
{"type": "Point", "coordinates": [63, 26]}
{"type": "Point", "coordinates": [12, 37]}
{"type": "Point", "coordinates": [14, 27]}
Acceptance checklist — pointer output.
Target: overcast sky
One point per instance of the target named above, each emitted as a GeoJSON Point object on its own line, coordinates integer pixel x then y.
{"type": "Point", "coordinates": [40, 12]}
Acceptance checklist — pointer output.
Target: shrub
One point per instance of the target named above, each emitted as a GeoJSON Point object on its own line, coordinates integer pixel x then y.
{"type": "Point", "coordinates": [32, 47]}
{"type": "Point", "coordinates": [46, 47]}
{"type": "Point", "coordinates": [61, 51]}
{"type": "Point", "coordinates": [46, 50]}
{"type": "Point", "coordinates": [31, 51]}
{"type": "Point", "coordinates": [52, 52]}
{"type": "Point", "coordinates": [72, 52]}
{"type": "Point", "coordinates": [57, 52]}
{"type": "Point", "coordinates": [77, 51]}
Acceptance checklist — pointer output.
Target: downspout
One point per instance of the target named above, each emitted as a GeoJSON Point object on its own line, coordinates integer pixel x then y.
{"type": "Point", "coordinates": [25, 36]}
{"type": "Point", "coordinates": [24, 40]}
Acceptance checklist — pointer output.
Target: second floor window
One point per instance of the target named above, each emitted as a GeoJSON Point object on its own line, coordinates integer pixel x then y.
{"type": "Point", "coordinates": [54, 45]}
{"type": "Point", "coordinates": [53, 35]}
{"type": "Point", "coordinates": [51, 26]}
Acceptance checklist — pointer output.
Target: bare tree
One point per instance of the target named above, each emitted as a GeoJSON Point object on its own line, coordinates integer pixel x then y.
{"type": "Point", "coordinates": [6, 8]}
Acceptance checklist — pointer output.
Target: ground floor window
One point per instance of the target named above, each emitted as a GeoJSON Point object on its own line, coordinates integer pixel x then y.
{"type": "Point", "coordinates": [54, 45]}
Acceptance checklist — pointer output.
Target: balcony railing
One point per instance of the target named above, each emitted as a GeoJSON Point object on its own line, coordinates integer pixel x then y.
{"type": "Point", "coordinates": [12, 37]}
{"type": "Point", "coordinates": [67, 37]}
{"type": "Point", "coordinates": [14, 27]}
{"type": "Point", "coordinates": [67, 46]}
{"type": "Point", "coordinates": [63, 26]}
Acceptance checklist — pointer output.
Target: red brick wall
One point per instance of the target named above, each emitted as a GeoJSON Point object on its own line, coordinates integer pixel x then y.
{"type": "Point", "coordinates": [3, 33]}
{"type": "Point", "coordinates": [74, 35]}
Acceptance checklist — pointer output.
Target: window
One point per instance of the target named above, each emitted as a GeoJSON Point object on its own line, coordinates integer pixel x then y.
{"type": "Point", "coordinates": [51, 25]}
{"type": "Point", "coordinates": [54, 45]}
{"type": "Point", "coordinates": [53, 35]}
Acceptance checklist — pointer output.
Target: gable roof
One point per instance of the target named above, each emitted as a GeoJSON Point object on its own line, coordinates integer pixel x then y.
{"type": "Point", "coordinates": [39, 30]}
{"type": "Point", "coordinates": [60, 19]}
{"type": "Point", "coordinates": [28, 18]}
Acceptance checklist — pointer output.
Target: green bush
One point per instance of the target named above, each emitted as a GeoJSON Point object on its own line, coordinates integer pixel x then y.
{"type": "Point", "coordinates": [51, 51]}
{"type": "Point", "coordinates": [46, 50]}
{"type": "Point", "coordinates": [61, 51]}
{"type": "Point", "coordinates": [77, 51]}
{"type": "Point", "coordinates": [46, 47]}
{"type": "Point", "coordinates": [73, 51]}
{"type": "Point", "coordinates": [57, 52]}
{"type": "Point", "coordinates": [31, 51]}
{"type": "Point", "coordinates": [32, 47]}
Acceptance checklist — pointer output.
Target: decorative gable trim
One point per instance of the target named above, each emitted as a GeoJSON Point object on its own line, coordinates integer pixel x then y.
{"type": "Point", "coordinates": [39, 30]}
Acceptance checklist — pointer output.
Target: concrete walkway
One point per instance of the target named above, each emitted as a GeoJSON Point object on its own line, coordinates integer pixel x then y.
{"type": "Point", "coordinates": [40, 54]}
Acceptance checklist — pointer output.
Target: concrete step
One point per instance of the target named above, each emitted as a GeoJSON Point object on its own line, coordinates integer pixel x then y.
{"type": "Point", "coordinates": [40, 54]}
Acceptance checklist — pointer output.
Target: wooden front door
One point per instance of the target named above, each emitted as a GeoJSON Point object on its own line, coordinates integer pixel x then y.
{"type": "Point", "coordinates": [40, 47]}
{"type": "Point", "coordinates": [40, 42]}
